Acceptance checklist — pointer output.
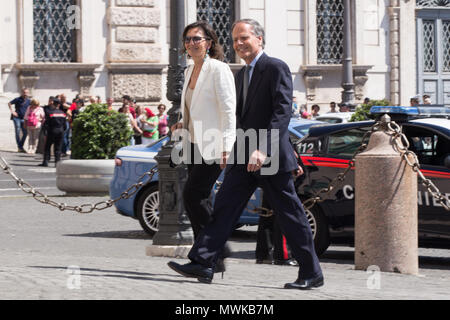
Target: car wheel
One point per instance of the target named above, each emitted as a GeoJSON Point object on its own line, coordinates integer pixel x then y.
{"type": "Point", "coordinates": [148, 210]}
{"type": "Point", "coordinates": [319, 228]}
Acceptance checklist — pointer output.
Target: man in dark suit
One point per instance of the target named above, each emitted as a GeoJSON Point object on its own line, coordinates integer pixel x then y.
{"type": "Point", "coordinates": [264, 99]}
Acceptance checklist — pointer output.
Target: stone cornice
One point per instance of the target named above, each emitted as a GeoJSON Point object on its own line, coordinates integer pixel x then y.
{"type": "Point", "coordinates": [57, 66]}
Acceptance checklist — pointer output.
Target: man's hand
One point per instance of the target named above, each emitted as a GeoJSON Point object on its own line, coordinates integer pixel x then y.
{"type": "Point", "coordinates": [176, 126]}
{"type": "Point", "coordinates": [297, 173]}
{"type": "Point", "coordinates": [256, 161]}
{"type": "Point", "coordinates": [224, 160]}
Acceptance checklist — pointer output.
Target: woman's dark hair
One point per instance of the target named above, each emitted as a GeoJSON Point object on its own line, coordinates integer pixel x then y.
{"type": "Point", "coordinates": [216, 50]}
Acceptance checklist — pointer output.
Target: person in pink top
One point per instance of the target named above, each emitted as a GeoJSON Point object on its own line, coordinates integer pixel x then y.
{"type": "Point", "coordinates": [34, 117]}
{"type": "Point", "coordinates": [163, 125]}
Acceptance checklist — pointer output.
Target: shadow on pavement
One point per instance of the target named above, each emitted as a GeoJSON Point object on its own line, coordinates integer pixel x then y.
{"type": "Point", "coordinates": [131, 234]}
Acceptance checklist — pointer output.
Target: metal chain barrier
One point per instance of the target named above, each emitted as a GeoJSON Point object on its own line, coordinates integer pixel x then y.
{"type": "Point", "coordinates": [84, 208]}
{"type": "Point", "coordinates": [401, 144]}
{"type": "Point", "coordinates": [316, 198]}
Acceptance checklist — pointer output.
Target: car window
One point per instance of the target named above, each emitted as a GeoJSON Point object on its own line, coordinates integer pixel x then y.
{"type": "Point", "coordinates": [430, 147]}
{"type": "Point", "coordinates": [303, 129]}
{"type": "Point", "coordinates": [331, 120]}
{"type": "Point", "coordinates": [345, 143]}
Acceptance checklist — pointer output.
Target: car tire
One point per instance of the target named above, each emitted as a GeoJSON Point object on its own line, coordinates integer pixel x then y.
{"type": "Point", "coordinates": [319, 228]}
{"type": "Point", "coordinates": [147, 209]}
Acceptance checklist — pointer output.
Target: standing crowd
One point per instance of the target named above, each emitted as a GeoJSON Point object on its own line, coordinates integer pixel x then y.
{"type": "Point", "coordinates": [51, 125]}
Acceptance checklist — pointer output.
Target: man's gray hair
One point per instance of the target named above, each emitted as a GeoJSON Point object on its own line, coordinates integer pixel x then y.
{"type": "Point", "coordinates": [258, 30]}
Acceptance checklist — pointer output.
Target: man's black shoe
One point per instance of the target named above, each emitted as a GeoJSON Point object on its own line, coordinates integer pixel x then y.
{"type": "Point", "coordinates": [289, 262]}
{"type": "Point", "coordinates": [305, 284]}
{"type": "Point", "coordinates": [43, 165]}
{"type": "Point", "coordinates": [193, 270]}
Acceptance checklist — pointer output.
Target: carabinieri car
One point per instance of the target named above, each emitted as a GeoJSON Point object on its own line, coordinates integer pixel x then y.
{"type": "Point", "coordinates": [134, 161]}
{"type": "Point", "coordinates": [326, 150]}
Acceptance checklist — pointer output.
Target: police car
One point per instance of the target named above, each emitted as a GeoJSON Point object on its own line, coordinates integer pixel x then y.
{"type": "Point", "coordinates": [134, 161]}
{"type": "Point", "coordinates": [326, 150]}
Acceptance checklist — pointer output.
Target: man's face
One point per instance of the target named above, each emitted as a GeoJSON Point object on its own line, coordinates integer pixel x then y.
{"type": "Point", "coordinates": [25, 93]}
{"type": "Point", "coordinates": [245, 43]}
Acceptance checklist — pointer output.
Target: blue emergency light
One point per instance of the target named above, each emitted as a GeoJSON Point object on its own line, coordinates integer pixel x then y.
{"type": "Point", "coordinates": [429, 110]}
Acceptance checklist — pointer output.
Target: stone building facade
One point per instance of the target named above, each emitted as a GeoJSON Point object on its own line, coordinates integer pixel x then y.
{"type": "Point", "coordinates": [114, 47]}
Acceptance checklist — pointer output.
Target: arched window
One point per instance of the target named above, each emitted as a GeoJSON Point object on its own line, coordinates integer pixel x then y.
{"type": "Point", "coordinates": [330, 35]}
{"type": "Point", "coordinates": [54, 30]}
{"type": "Point", "coordinates": [220, 14]}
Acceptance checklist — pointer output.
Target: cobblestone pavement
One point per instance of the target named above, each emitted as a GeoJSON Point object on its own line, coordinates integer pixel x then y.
{"type": "Point", "coordinates": [46, 254]}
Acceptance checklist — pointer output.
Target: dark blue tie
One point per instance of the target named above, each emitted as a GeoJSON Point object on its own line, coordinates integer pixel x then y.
{"type": "Point", "coordinates": [246, 84]}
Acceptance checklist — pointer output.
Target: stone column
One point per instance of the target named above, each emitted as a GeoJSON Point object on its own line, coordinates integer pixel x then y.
{"type": "Point", "coordinates": [385, 207]}
{"type": "Point", "coordinates": [394, 51]}
{"type": "Point", "coordinates": [133, 50]}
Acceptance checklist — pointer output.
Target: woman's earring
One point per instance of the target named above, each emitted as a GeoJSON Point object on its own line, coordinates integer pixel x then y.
{"type": "Point", "coordinates": [207, 55]}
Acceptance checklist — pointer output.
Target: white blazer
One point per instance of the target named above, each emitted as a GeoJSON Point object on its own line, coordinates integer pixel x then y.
{"type": "Point", "coordinates": [213, 108]}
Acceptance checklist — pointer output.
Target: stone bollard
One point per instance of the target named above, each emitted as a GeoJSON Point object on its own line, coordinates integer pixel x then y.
{"type": "Point", "coordinates": [386, 233]}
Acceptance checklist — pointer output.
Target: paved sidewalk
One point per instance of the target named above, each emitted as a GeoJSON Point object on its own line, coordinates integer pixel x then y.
{"type": "Point", "coordinates": [46, 254]}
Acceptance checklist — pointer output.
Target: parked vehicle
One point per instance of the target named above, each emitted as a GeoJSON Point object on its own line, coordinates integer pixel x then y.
{"type": "Point", "coordinates": [134, 161]}
{"type": "Point", "coordinates": [327, 149]}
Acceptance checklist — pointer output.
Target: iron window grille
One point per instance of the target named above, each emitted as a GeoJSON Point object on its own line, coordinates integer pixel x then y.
{"type": "Point", "coordinates": [330, 33]}
{"type": "Point", "coordinates": [220, 14]}
{"type": "Point", "coordinates": [54, 40]}
{"type": "Point", "coordinates": [433, 3]}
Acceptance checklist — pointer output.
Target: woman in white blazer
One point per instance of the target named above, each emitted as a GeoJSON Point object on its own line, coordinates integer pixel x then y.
{"type": "Point", "coordinates": [208, 106]}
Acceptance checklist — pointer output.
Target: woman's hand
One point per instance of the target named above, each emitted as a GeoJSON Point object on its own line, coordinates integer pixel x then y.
{"type": "Point", "coordinates": [224, 160]}
{"type": "Point", "coordinates": [176, 126]}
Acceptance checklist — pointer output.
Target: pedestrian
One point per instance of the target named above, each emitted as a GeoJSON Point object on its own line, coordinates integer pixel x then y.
{"type": "Point", "coordinates": [21, 105]}
{"type": "Point", "coordinates": [54, 126]}
{"type": "Point", "coordinates": [332, 107]}
{"type": "Point", "coordinates": [295, 108]}
{"type": "Point", "coordinates": [344, 107]}
{"type": "Point", "coordinates": [74, 111]}
{"type": "Point", "coordinates": [163, 126]}
{"type": "Point", "coordinates": [141, 115]}
{"type": "Point", "coordinates": [208, 102]}
{"type": "Point", "coordinates": [67, 133]}
{"type": "Point", "coordinates": [132, 124]}
{"type": "Point", "coordinates": [426, 99]}
{"type": "Point", "coordinates": [127, 100]}
{"type": "Point", "coordinates": [109, 103]}
{"type": "Point", "coordinates": [414, 101]}
{"type": "Point", "coordinates": [315, 111]}
{"type": "Point", "coordinates": [271, 245]}
{"type": "Point", "coordinates": [304, 113]}
{"type": "Point", "coordinates": [149, 127]}
{"type": "Point", "coordinates": [42, 136]}
{"type": "Point", "coordinates": [264, 101]}
{"type": "Point", "coordinates": [34, 117]}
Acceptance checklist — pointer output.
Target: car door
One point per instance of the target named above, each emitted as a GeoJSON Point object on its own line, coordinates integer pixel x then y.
{"type": "Point", "coordinates": [431, 147]}
{"type": "Point", "coordinates": [324, 159]}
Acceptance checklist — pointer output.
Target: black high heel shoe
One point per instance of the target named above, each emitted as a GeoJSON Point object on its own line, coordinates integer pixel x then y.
{"type": "Point", "coordinates": [220, 267]}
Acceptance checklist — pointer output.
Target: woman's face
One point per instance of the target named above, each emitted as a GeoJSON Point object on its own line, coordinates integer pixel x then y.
{"type": "Point", "coordinates": [197, 45]}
